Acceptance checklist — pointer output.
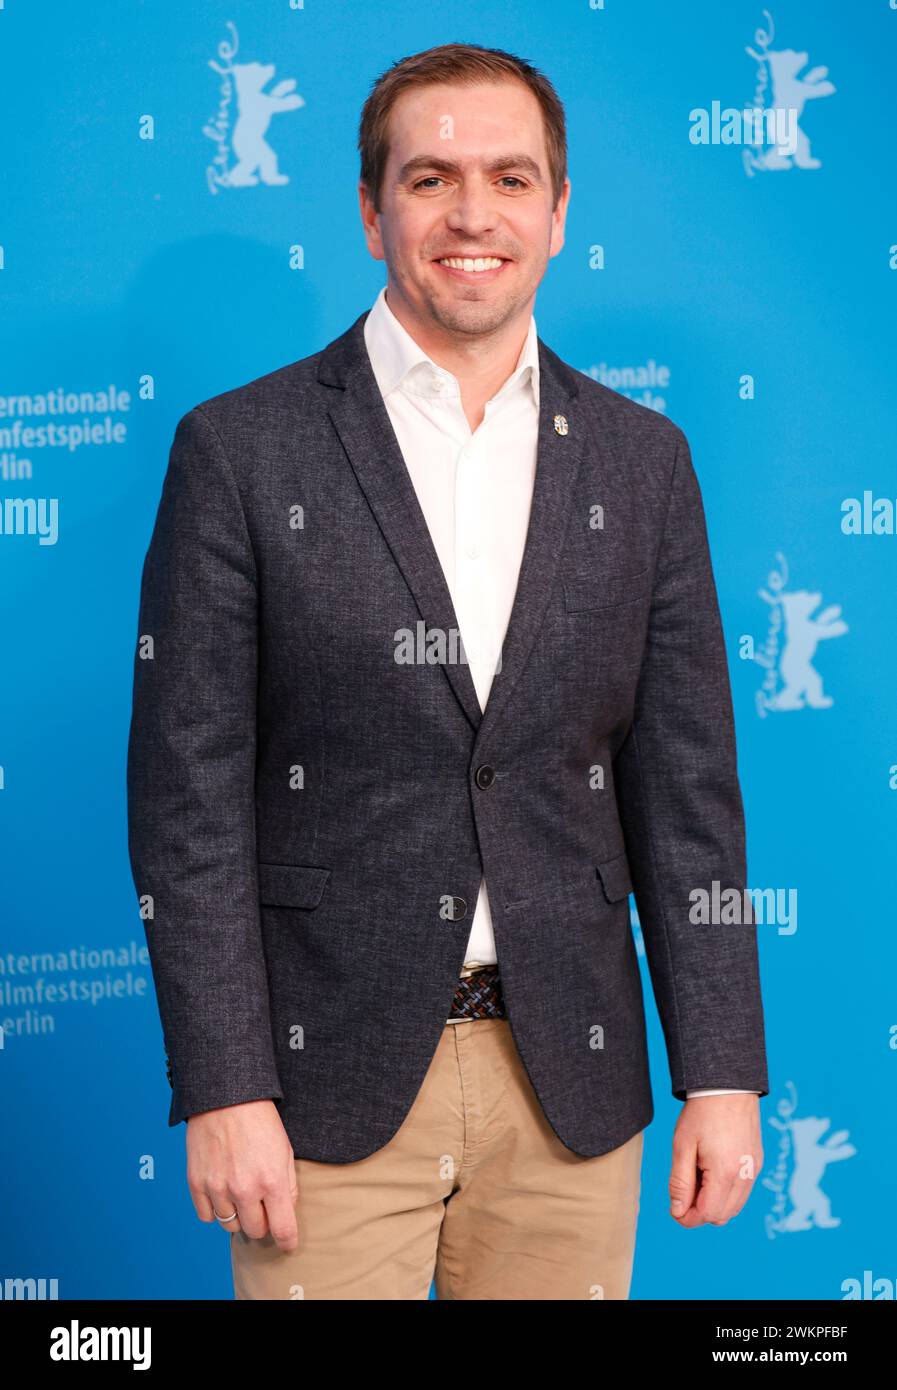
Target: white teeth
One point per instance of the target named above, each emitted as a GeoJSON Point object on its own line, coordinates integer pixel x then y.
{"type": "Point", "coordinates": [481, 263]}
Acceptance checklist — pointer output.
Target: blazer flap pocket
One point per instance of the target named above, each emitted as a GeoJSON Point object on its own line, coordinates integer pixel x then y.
{"type": "Point", "coordinates": [615, 878]}
{"type": "Point", "coordinates": [291, 885]}
{"type": "Point", "coordinates": [604, 591]}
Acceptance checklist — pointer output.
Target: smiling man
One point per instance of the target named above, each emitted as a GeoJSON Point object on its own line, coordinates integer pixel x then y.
{"type": "Point", "coordinates": [389, 879]}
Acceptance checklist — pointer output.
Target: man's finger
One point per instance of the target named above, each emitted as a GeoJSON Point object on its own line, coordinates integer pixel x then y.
{"type": "Point", "coordinates": [223, 1205]}
{"type": "Point", "coordinates": [201, 1202]}
{"type": "Point", "coordinates": [683, 1177]}
{"type": "Point", "coordinates": [280, 1207]}
{"type": "Point", "coordinates": [714, 1196]}
{"type": "Point", "coordinates": [740, 1191]}
{"type": "Point", "coordinates": [253, 1219]}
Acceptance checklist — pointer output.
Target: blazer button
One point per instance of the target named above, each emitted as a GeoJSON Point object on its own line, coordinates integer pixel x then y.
{"type": "Point", "coordinates": [484, 776]}
{"type": "Point", "coordinates": [459, 907]}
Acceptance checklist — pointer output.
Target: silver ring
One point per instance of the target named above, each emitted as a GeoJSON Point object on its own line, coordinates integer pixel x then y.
{"type": "Point", "coordinates": [224, 1219]}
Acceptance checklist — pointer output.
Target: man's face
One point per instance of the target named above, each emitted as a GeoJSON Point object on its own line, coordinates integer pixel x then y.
{"type": "Point", "coordinates": [467, 177]}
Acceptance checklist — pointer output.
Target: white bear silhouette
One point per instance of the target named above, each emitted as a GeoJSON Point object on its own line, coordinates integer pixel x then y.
{"type": "Point", "coordinates": [790, 92]}
{"type": "Point", "coordinates": [810, 1206]}
{"type": "Point", "coordinates": [254, 111]}
{"type": "Point", "coordinates": [802, 682]}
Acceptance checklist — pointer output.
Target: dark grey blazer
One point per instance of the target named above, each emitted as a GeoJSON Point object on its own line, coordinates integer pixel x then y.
{"type": "Point", "coordinates": [306, 822]}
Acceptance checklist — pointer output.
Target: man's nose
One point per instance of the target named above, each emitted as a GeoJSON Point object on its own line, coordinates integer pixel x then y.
{"type": "Point", "coordinates": [473, 210]}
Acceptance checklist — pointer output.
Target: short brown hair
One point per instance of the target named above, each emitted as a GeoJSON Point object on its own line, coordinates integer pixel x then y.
{"type": "Point", "coordinates": [465, 64]}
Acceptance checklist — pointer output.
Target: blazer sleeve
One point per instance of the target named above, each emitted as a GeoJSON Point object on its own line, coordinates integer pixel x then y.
{"type": "Point", "coordinates": [190, 783]}
{"type": "Point", "coordinates": [680, 806]}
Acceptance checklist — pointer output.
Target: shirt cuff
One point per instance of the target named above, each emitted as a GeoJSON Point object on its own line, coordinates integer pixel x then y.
{"type": "Point", "coordinates": [724, 1091]}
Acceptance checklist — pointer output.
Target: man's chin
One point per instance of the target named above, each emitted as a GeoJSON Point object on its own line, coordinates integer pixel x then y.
{"type": "Point", "coordinates": [473, 315]}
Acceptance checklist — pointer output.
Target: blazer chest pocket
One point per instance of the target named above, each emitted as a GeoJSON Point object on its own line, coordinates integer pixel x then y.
{"type": "Point", "coordinates": [615, 877]}
{"type": "Point", "coordinates": [291, 885]}
{"type": "Point", "coordinates": [594, 591]}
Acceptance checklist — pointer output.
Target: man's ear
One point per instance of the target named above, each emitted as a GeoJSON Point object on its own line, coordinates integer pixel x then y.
{"type": "Point", "coordinates": [558, 220]}
{"type": "Point", "coordinates": [370, 221]}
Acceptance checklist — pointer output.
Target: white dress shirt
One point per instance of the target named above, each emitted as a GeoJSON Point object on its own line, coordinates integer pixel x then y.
{"type": "Point", "coordinates": [475, 490]}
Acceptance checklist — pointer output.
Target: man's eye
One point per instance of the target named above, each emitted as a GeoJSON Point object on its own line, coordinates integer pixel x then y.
{"type": "Point", "coordinates": [432, 179]}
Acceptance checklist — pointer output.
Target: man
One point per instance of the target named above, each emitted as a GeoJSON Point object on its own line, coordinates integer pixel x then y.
{"type": "Point", "coordinates": [431, 675]}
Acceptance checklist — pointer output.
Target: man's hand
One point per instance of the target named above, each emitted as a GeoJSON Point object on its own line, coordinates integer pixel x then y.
{"type": "Point", "coordinates": [717, 1155]}
{"type": "Point", "coordinates": [240, 1159]}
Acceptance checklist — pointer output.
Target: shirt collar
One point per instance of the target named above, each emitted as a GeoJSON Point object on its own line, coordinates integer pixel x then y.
{"type": "Point", "coordinates": [397, 360]}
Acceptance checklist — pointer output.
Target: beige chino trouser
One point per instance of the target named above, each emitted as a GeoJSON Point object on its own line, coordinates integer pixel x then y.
{"type": "Point", "coordinates": [475, 1189]}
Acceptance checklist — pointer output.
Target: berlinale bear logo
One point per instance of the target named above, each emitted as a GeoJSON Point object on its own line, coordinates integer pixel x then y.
{"type": "Point", "coordinates": [787, 654]}
{"type": "Point", "coordinates": [791, 89]}
{"type": "Point", "coordinates": [242, 136]}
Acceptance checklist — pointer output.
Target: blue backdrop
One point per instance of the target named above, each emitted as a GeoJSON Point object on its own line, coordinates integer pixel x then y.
{"type": "Point", "coordinates": [746, 290]}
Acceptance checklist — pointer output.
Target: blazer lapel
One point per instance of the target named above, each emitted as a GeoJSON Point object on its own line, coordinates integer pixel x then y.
{"type": "Point", "coordinates": [362, 422]}
{"type": "Point", "coordinates": [558, 461]}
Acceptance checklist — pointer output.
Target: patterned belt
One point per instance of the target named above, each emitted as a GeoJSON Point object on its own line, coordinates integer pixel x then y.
{"type": "Point", "coordinates": [479, 995]}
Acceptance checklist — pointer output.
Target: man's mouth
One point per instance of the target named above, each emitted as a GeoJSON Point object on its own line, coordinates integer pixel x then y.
{"type": "Point", "coordinates": [475, 263]}
{"type": "Point", "coordinates": [485, 266]}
